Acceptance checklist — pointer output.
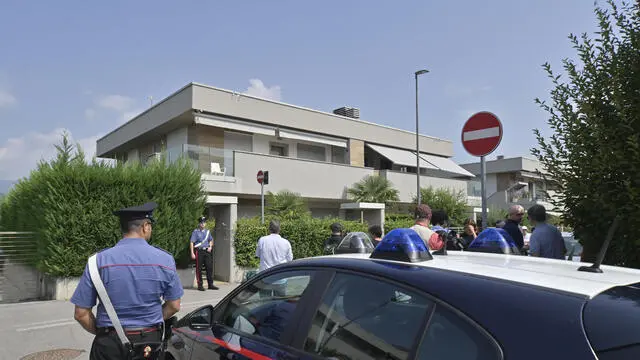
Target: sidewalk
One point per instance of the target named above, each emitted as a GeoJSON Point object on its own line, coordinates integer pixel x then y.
{"type": "Point", "coordinates": [30, 328]}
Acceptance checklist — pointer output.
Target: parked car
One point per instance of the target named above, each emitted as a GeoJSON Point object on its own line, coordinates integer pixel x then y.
{"type": "Point", "coordinates": [401, 302]}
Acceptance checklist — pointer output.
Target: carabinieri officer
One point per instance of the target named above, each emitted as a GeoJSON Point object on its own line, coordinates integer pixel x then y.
{"type": "Point", "coordinates": [137, 277]}
{"type": "Point", "coordinates": [201, 245]}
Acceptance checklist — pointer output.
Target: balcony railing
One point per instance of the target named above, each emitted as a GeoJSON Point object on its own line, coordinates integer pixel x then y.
{"type": "Point", "coordinates": [208, 160]}
{"type": "Point", "coordinates": [474, 188]}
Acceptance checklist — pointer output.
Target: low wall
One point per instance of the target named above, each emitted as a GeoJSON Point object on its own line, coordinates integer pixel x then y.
{"type": "Point", "coordinates": [19, 282]}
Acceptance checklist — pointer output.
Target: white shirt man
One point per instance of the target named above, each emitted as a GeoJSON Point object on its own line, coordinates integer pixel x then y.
{"type": "Point", "coordinates": [273, 249]}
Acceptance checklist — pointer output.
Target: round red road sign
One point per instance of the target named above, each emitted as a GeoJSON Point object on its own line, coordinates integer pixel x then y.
{"type": "Point", "coordinates": [260, 177]}
{"type": "Point", "coordinates": [481, 134]}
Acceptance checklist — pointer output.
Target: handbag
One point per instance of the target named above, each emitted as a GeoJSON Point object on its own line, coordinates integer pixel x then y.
{"type": "Point", "coordinates": [153, 350]}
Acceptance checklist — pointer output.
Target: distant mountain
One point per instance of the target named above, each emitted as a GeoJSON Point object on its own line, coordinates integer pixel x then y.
{"type": "Point", "coordinates": [5, 185]}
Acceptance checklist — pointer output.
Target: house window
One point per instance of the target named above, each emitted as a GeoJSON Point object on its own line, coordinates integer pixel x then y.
{"type": "Point", "coordinates": [279, 149]}
{"type": "Point", "coordinates": [338, 155]}
{"type": "Point", "coordinates": [311, 152]}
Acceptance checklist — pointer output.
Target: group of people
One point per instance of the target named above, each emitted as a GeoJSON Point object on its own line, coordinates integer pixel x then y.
{"type": "Point", "coordinates": [544, 240]}
{"type": "Point", "coordinates": [146, 290]}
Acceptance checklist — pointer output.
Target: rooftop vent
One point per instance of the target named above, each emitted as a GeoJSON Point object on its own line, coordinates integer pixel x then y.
{"type": "Point", "coordinates": [499, 157]}
{"type": "Point", "coordinates": [348, 112]}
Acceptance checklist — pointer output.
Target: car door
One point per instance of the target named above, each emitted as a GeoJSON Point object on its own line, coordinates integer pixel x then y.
{"type": "Point", "coordinates": [259, 319]}
{"type": "Point", "coordinates": [180, 345]}
{"type": "Point", "coordinates": [366, 317]}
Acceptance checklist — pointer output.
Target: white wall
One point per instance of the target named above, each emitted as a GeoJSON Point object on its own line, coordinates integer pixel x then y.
{"type": "Point", "coordinates": [261, 145]}
{"type": "Point", "coordinates": [177, 138]}
{"type": "Point", "coordinates": [133, 155]}
{"type": "Point", "coordinates": [492, 184]}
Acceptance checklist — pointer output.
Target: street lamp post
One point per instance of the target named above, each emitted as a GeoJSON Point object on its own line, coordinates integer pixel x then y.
{"type": "Point", "coordinates": [419, 72]}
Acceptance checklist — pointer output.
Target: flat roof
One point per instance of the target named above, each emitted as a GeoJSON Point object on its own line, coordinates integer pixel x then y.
{"type": "Point", "coordinates": [177, 109]}
{"type": "Point", "coordinates": [506, 165]}
{"type": "Point", "coordinates": [552, 274]}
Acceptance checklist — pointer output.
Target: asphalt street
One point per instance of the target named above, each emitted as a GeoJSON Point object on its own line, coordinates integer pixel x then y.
{"type": "Point", "coordinates": [28, 328]}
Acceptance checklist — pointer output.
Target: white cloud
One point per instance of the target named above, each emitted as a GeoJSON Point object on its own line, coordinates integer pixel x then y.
{"type": "Point", "coordinates": [258, 89]}
{"type": "Point", "coordinates": [116, 102]}
{"type": "Point", "coordinates": [7, 99]}
{"type": "Point", "coordinates": [18, 156]}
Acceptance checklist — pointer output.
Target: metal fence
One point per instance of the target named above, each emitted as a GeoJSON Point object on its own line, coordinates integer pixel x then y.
{"type": "Point", "coordinates": [19, 280]}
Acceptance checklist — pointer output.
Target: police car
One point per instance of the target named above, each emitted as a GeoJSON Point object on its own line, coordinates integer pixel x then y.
{"type": "Point", "coordinates": [402, 302]}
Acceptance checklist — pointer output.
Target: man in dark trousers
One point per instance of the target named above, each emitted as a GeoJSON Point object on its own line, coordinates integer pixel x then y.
{"type": "Point", "coordinates": [137, 278]}
{"type": "Point", "coordinates": [201, 247]}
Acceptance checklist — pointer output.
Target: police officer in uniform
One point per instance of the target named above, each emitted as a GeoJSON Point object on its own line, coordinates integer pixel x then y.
{"type": "Point", "coordinates": [137, 278]}
{"type": "Point", "coordinates": [201, 246]}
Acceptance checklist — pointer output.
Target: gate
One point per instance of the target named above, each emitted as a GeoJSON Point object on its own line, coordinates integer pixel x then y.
{"type": "Point", "coordinates": [19, 280]}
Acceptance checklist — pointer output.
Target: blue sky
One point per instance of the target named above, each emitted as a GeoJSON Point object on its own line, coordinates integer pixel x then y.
{"type": "Point", "coordinates": [89, 66]}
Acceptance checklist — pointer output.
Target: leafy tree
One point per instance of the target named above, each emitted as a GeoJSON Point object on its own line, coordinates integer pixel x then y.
{"type": "Point", "coordinates": [68, 203]}
{"type": "Point", "coordinates": [593, 153]}
{"type": "Point", "coordinates": [375, 189]}
{"type": "Point", "coordinates": [285, 204]}
{"type": "Point", "coordinates": [452, 201]}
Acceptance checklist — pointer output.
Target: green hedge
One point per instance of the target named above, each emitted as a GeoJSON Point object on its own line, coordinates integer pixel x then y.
{"type": "Point", "coordinates": [68, 203]}
{"type": "Point", "coordinates": [307, 236]}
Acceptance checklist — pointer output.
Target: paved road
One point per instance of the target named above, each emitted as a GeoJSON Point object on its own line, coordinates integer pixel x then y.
{"type": "Point", "coordinates": [28, 328]}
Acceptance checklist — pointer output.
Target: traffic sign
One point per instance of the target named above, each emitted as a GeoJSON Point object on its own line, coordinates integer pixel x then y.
{"type": "Point", "coordinates": [481, 134]}
{"type": "Point", "coordinates": [260, 177]}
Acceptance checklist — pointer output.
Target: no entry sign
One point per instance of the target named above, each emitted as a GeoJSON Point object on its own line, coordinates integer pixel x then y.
{"type": "Point", "coordinates": [481, 134]}
{"type": "Point", "coordinates": [260, 177]}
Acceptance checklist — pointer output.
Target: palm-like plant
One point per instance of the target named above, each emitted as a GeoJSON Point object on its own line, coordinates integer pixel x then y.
{"type": "Point", "coordinates": [285, 204]}
{"type": "Point", "coordinates": [373, 188]}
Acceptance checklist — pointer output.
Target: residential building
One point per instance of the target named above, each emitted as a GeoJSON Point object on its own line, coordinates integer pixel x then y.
{"type": "Point", "coordinates": [510, 181]}
{"type": "Point", "coordinates": [231, 136]}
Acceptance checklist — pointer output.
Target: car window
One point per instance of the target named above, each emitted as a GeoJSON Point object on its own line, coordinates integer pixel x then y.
{"type": "Point", "coordinates": [265, 306]}
{"type": "Point", "coordinates": [450, 336]}
{"type": "Point", "coordinates": [363, 318]}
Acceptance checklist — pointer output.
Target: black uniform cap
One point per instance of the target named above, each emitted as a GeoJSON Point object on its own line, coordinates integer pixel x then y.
{"type": "Point", "coordinates": [139, 212]}
{"type": "Point", "coordinates": [202, 219]}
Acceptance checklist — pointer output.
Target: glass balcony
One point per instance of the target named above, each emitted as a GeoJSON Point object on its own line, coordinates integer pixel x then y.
{"type": "Point", "coordinates": [209, 160]}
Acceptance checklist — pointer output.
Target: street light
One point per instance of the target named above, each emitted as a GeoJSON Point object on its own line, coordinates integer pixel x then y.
{"type": "Point", "coordinates": [419, 72]}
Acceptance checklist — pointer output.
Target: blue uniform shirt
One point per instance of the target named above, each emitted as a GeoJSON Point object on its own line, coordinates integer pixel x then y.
{"type": "Point", "coordinates": [198, 237]}
{"type": "Point", "coordinates": [137, 277]}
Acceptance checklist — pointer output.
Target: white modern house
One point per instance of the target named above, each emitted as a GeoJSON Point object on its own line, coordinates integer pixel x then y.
{"type": "Point", "coordinates": [231, 136]}
{"type": "Point", "coordinates": [510, 181]}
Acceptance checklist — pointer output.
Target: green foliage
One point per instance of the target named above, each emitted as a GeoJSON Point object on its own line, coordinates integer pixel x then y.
{"type": "Point", "coordinates": [68, 204]}
{"type": "Point", "coordinates": [593, 153]}
{"type": "Point", "coordinates": [397, 221]}
{"type": "Point", "coordinates": [306, 234]}
{"type": "Point", "coordinates": [373, 189]}
{"type": "Point", "coordinates": [452, 201]}
{"type": "Point", "coordinates": [285, 205]}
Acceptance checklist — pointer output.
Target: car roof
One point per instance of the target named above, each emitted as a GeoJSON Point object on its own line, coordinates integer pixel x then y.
{"type": "Point", "coordinates": [546, 273]}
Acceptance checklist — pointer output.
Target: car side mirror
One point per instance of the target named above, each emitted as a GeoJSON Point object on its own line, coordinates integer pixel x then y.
{"type": "Point", "coordinates": [201, 319]}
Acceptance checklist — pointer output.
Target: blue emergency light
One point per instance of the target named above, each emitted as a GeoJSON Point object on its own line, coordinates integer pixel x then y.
{"type": "Point", "coordinates": [495, 241]}
{"type": "Point", "coordinates": [402, 245]}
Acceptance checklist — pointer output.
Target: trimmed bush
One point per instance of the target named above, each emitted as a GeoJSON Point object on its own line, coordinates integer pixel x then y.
{"type": "Point", "coordinates": [306, 234]}
{"type": "Point", "coordinates": [68, 204]}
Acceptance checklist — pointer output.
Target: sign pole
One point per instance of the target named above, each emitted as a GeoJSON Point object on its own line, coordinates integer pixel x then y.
{"type": "Point", "coordinates": [483, 191]}
{"type": "Point", "coordinates": [481, 135]}
{"type": "Point", "coordinates": [262, 199]}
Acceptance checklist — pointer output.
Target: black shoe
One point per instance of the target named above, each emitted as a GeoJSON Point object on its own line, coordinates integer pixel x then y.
{"type": "Point", "coordinates": [201, 288]}
{"type": "Point", "coordinates": [213, 287]}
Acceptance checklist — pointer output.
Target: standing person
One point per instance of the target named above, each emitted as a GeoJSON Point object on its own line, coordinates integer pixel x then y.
{"type": "Point", "coordinates": [376, 233]}
{"type": "Point", "coordinates": [137, 278]}
{"type": "Point", "coordinates": [422, 215]}
{"type": "Point", "coordinates": [470, 232]}
{"type": "Point", "coordinates": [512, 225]}
{"type": "Point", "coordinates": [273, 250]}
{"type": "Point", "coordinates": [546, 241]}
{"type": "Point", "coordinates": [334, 239]}
{"type": "Point", "coordinates": [202, 242]}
